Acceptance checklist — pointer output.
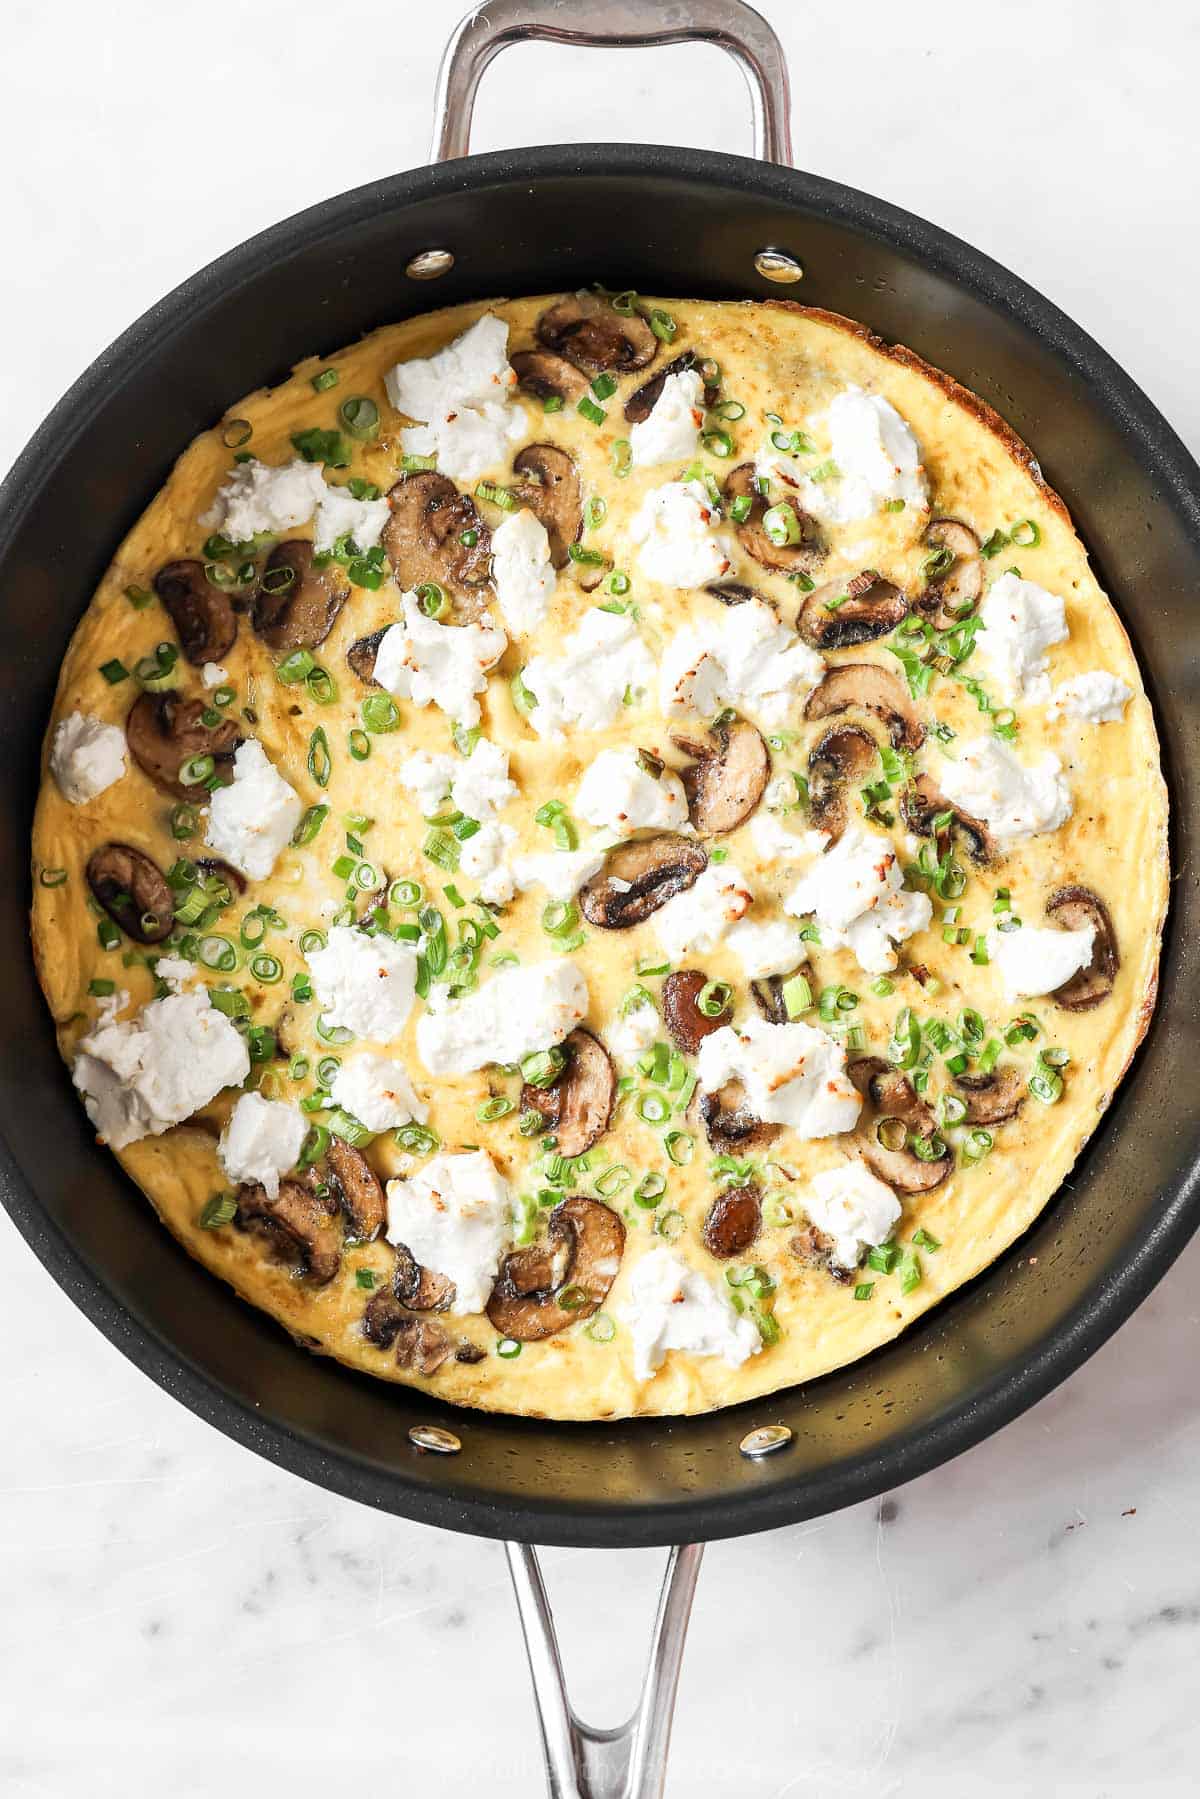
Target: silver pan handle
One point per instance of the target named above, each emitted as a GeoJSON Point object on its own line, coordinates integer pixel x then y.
{"type": "Point", "coordinates": [733, 26]}
{"type": "Point", "coordinates": [630, 1761]}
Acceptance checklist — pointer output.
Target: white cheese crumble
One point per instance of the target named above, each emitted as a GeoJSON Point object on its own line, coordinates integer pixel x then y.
{"type": "Point", "coordinates": [254, 498]}
{"type": "Point", "coordinates": [853, 1207]}
{"type": "Point", "coordinates": [672, 431]}
{"type": "Point", "coordinates": [743, 657]}
{"type": "Point", "coordinates": [86, 756]}
{"type": "Point", "coordinates": [422, 661]}
{"type": "Point", "coordinates": [522, 572]}
{"type": "Point", "coordinates": [875, 455]}
{"type": "Point", "coordinates": [671, 1306]}
{"type": "Point", "coordinates": [767, 949]}
{"type": "Point", "coordinates": [377, 1091]}
{"type": "Point", "coordinates": [252, 820]}
{"type": "Point", "coordinates": [773, 842]}
{"type": "Point", "coordinates": [700, 916]}
{"type": "Point", "coordinates": [518, 1011]}
{"type": "Point", "coordinates": [586, 687]}
{"type": "Point", "coordinates": [621, 793]}
{"type": "Point", "coordinates": [561, 872]}
{"type": "Point", "coordinates": [339, 514]}
{"type": "Point", "coordinates": [261, 1141]}
{"type": "Point", "coordinates": [988, 781]}
{"type": "Point", "coordinates": [1021, 622]}
{"type": "Point", "coordinates": [674, 530]}
{"type": "Point", "coordinates": [855, 890]}
{"type": "Point", "coordinates": [428, 775]}
{"type": "Point", "coordinates": [142, 1075]}
{"type": "Point", "coordinates": [213, 675]}
{"type": "Point", "coordinates": [1095, 698]}
{"type": "Point", "coordinates": [480, 786]}
{"type": "Point", "coordinates": [461, 394]}
{"type": "Point", "coordinates": [631, 1034]}
{"type": "Point", "coordinates": [454, 1216]}
{"type": "Point", "coordinates": [481, 859]}
{"type": "Point", "coordinates": [793, 1074]}
{"type": "Point", "coordinates": [364, 984]}
{"type": "Point", "coordinates": [1034, 960]}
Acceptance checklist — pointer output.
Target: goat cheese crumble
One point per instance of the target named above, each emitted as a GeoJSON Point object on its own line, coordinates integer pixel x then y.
{"type": "Point", "coordinates": [671, 1306]}
{"type": "Point", "coordinates": [140, 1076]}
{"type": "Point", "coordinates": [1021, 623]}
{"type": "Point", "coordinates": [364, 984]}
{"type": "Point", "coordinates": [1013, 800]}
{"type": "Point", "coordinates": [261, 1141]}
{"type": "Point", "coordinates": [699, 917]}
{"type": "Point", "coordinates": [422, 661]}
{"type": "Point", "coordinates": [377, 1091]}
{"type": "Point", "coordinates": [86, 757]}
{"type": "Point", "coordinates": [1095, 698]}
{"type": "Point", "coordinates": [1037, 960]}
{"type": "Point", "coordinates": [518, 1011]}
{"type": "Point", "coordinates": [602, 665]}
{"type": "Point", "coordinates": [674, 530]}
{"type": "Point", "coordinates": [672, 431]}
{"type": "Point", "coordinates": [252, 820]}
{"type": "Point", "coordinates": [621, 792]}
{"type": "Point", "coordinates": [793, 1074]}
{"type": "Point", "coordinates": [855, 890]}
{"type": "Point", "coordinates": [454, 1216]}
{"type": "Point", "coordinates": [853, 1207]}
{"type": "Point", "coordinates": [522, 572]}
{"type": "Point", "coordinates": [461, 394]}
{"type": "Point", "coordinates": [743, 657]}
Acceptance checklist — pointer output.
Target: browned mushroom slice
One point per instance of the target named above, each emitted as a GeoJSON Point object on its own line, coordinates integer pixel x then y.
{"type": "Point", "coordinates": [382, 1318]}
{"type": "Point", "coordinates": [424, 541]}
{"type": "Point", "coordinates": [728, 778]}
{"type": "Point", "coordinates": [955, 570]}
{"type": "Point", "coordinates": [587, 331]}
{"type": "Point", "coordinates": [302, 1225]}
{"type": "Point", "coordinates": [922, 803]}
{"type": "Point", "coordinates": [644, 399]}
{"type": "Point", "coordinates": [843, 613]}
{"type": "Point", "coordinates": [362, 653]}
{"type": "Point", "coordinates": [687, 1026]}
{"type": "Point", "coordinates": [423, 1345]}
{"type": "Point", "coordinates": [991, 1098]}
{"type": "Point", "coordinates": [133, 891]}
{"type": "Point", "coordinates": [812, 1245]}
{"type": "Point", "coordinates": [578, 1107]}
{"type": "Point", "coordinates": [733, 1222]}
{"type": "Point", "coordinates": [730, 1126]}
{"type": "Point", "coordinates": [164, 731]}
{"type": "Point", "coordinates": [844, 757]}
{"type": "Point", "coordinates": [901, 1117]}
{"type": "Point", "coordinates": [736, 593]}
{"type": "Point", "coordinates": [638, 878]}
{"type": "Point", "coordinates": [593, 1239]}
{"type": "Point", "coordinates": [297, 601]}
{"type": "Point", "coordinates": [767, 995]}
{"type": "Point", "coordinates": [201, 613]}
{"type": "Point", "coordinates": [359, 1188]}
{"type": "Point", "coordinates": [549, 486]}
{"type": "Point", "coordinates": [799, 558]}
{"type": "Point", "coordinates": [1074, 907]}
{"type": "Point", "coordinates": [548, 377]}
{"type": "Point", "coordinates": [867, 687]}
{"type": "Point", "coordinates": [421, 1289]}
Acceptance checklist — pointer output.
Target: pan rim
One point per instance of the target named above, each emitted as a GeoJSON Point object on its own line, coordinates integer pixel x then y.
{"type": "Point", "coordinates": [970, 1419]}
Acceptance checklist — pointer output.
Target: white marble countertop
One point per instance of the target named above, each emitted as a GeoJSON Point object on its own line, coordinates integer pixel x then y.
{"type": "Point", "coordinates": [177, 1615]}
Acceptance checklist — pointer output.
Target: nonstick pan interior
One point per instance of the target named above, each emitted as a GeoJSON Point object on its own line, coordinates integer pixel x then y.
{"type": "Point", "coordinates": [671, 222]}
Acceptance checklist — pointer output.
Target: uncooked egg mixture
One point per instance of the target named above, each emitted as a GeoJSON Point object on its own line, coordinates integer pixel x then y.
{"type": "Point", "coordinates": [600, 855]}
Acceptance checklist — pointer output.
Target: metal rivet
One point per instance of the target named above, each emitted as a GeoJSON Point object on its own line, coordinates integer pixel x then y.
{"type": "Point", "coordinates": [430, 264]}
{"type": "Point", "coordinates": [433, 1437]}
{"type": "Point", "coordinates": [777, 265]}
{"type": "Point", "coordinates": [765, 1440]}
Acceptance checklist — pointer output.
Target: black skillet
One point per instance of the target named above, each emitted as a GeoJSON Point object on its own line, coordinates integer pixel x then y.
{"type": "Point", "coordinates": [669, 221]}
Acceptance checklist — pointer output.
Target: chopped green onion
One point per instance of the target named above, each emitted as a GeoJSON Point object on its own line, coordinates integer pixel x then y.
{"type": "Point", "coordinates": [508, 1348]}
{"type": "Point", "coordinates": [589, 410]}
{"type": "Point", "coordinates": [360, 416]}
{"type": "Point", "coordinates": [320, 762]}
{"type": "Point", "coordinates": [220, 1209]}
{"type": "Point", "coordinates": [114, 672]}
{"type": "Point", "coordinates": [379, 713]}
{"type": "Point", "coordinates": [310, 824]}
{"type": "Point", "coordinates": [781, 525]}
{"type": "Point", "coordinates": [326, 378]}
{"type": "Point", "coordinates": [713, 998]}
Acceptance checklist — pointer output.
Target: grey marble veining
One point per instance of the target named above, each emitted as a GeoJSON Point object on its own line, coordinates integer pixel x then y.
{"type": "Point", "coordinates": [176, 1615]}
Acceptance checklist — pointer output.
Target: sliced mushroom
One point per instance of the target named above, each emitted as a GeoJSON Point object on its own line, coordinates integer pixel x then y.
{"type": "Point", "coordinates": [894, 1099]}
{"type": "Point", "coordinates": [954, 589]}
{"type": "Point", "coordinates": [359, 1188]}
{"type": "Point", "coordinates": [164, 731]}
{"type": "Point", "coordinates": [844, 757]}
{"type": "Point", "coordinates": [644, 399]}
{"type": "Point", "coordinates": [423, 1345]}
{"type": "Point", "coordinates": [362, 653]}
{"type": "Point", "coordinates": [767, 995]}
{"type": "Point", "coordinates": [733, 1222]}
{"type": "Point", "coordinates": [548, 377]}
{"type": "Point", "coordinates": [419, 1288]}
{"type": "Point", "coordinates": [1073, 907]}
{"type": "Point", "coordinates": [866, 686]}
{"type": "Point", "coordinates": [728, 778]}
{"type": "Point", "coordinates": [133, 891]}
{"type": "Point", "coordinates": [730, 1126]}
{"type": "Point", "coordinates": [921, 803]}
{"type": "Point", "coordinates": [991, 1098]}
{"type": "Point", "coordinates": [638, 878]}
{"type": "Point", "coordinates": [843, 613]}
{"type": "Point", "coordinates": [593, 1238]}
{"type": "Point", "coordinates": [549, 486]}
{"type": "Point", "coordinates": [578, 1107]}
{"type": "Point", "coordinates": [812, 1245]}
{"type": "Point", "coordinates": [382, 1318]}
{"type": "Point", "coordinates": [302, 1225]}
{"type": "Point", "coordinates": [424, 541]}
{"type": "Point", "coordinates": [736, 593]}
{"type": "Point", "coordinates": [297, 602]}
{"type": "Point", "coordinates": [587, 331]}
{"type": "Point", "coordinates": [687, 1026]}
{"type": "Point", "coordinates": [201, 613]}
{"type": "Point", "coordinates": [799, 558]}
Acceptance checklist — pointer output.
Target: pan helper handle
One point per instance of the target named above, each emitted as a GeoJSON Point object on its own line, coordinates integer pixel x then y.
{"type": "Point", "coordinates": [733, 26]}
{"type": "Point", "coordinates": [630, 1761]}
